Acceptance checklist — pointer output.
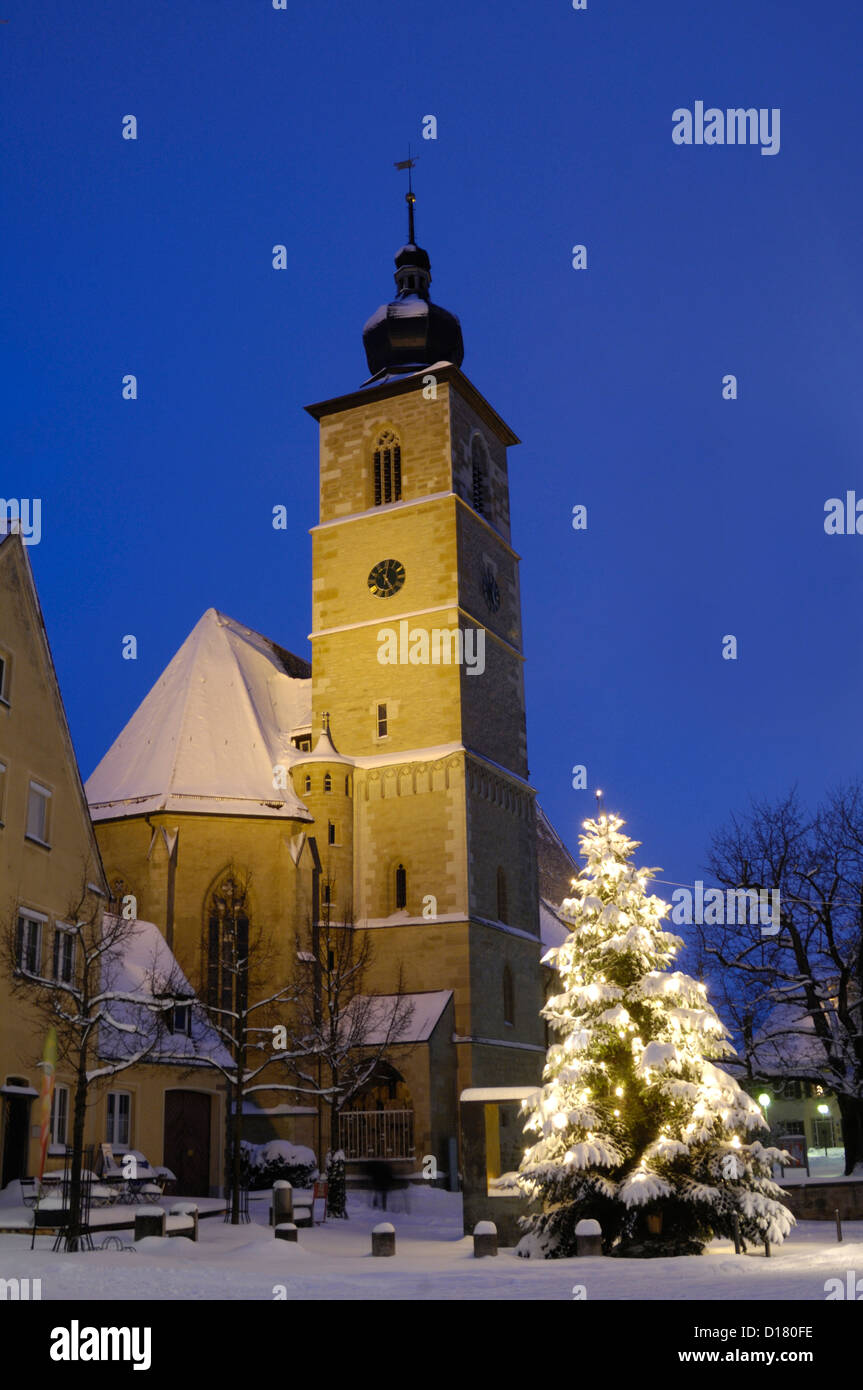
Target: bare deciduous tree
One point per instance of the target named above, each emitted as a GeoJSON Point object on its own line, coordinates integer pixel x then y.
{"type": "Point", "coordinates": [343, 1031]}
{"type": "Point", "coordinates": [107, 1011]}
{"type": "Point", "coordinates": [797, 996]}
{"type": "Point", "coordinates": [245, 1011]}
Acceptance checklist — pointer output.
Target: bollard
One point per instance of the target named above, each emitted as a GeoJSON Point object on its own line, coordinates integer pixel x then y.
{"type": "Point", "coordinates": [187, 1209]}
{"type": "Point", "coordinates": [838, 1226]}
{"type": "Point", "coordinates": [287, 1231]}
{"type": "Point", "coordinates": [484, 1239]}
{"type": "Point", "coordinates": [149, 1221]}
{"type": "Point", "coordinates": [384, 1239]}
{"type": "Point", "coordinates": [282, 1205]}
{"type": "Point", "coordinates": [588, 1237]}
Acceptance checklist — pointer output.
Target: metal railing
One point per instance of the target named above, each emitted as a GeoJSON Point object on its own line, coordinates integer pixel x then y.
{"type": "Point", "coordinates": [377, 1133]}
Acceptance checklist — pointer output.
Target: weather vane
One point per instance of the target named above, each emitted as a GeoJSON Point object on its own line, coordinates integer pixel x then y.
{"type": "Point", "coordinates": [410, 196]}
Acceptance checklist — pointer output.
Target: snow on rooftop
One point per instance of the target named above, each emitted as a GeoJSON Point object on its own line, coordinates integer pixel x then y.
{"type": "Point", "coordinates": [143, 965]}
{"type": "Point", "coordinates": [552, 931]}
{"type": "Point", "coordinates": [499, 1093]}
{"type": "Point", "coordinates": [210, 731]}
{"type": "Point", "coordinates": [420, 1012]}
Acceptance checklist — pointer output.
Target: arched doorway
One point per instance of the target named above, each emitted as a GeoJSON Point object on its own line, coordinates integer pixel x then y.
{"type": "Point", "coordinates": [187, 1141]}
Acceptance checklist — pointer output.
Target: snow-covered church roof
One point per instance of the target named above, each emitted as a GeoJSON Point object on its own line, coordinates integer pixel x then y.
{"type": "Point", "coordinates": [210, 732]}
{"type": "Point", "coordinates": [142, 967]}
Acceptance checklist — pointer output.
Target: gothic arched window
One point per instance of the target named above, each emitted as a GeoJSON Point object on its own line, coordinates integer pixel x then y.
{"type": "Point", "coordinates": [388, 469]}
{"type": "Point", "coordinates": [308, 783]}
{"type": "Point", "coordinates": [328, 782]}
{"type": "Point", "coordinates": [228, 947]}
{"type": "Point", "coordinates": [508, 996]}
{"type": "Point", "coordinates": [479, 474]}
{"type": "Point", "coordinates": [502, 906]}
{"type": "Point", "coordinates": [401, 887]}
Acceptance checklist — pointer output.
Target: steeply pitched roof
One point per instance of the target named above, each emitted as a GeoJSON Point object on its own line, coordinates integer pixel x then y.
{"type": "Point", "coordinates": [211, 730]}
{"type": "Point", "coordinates": [556, 865]}
{"type": "Point", "coordinates": [28, 624]}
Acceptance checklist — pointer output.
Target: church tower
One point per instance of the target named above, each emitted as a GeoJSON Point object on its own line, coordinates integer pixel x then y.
{"type": "Point", "coordinates": [417, 683]}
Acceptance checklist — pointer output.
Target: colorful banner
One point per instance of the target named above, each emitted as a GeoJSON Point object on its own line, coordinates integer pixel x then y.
{"type": "Point", "coordinates": [48, 1064]}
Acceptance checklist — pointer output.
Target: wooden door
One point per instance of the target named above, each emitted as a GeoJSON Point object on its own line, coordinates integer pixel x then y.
{"type": "Point", "coordinates": [187, 1141]}
{"type": "Point", "coordinates": [16, 1131]}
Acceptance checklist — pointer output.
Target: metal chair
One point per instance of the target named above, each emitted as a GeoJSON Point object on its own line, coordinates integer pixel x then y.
{"type": "Point", "coordinates": [80, 1237]}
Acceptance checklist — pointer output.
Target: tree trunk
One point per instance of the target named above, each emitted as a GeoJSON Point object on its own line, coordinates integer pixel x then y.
{"type": "Point", "coordinates": [851, 1111]}
{"type": "Point", "coordinates": [73, 1230]}
{"type": "Point", "coordinates": [335, 1122]}
{"type": "Point", "coordinates": [237, 1138]}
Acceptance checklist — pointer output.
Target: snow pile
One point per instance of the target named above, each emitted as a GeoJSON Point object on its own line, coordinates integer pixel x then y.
{"type": "Point", "coordinates": [277, 1160]}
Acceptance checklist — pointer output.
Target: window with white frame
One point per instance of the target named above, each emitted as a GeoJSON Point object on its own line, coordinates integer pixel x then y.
{"type": "Point", "coordinates": [38, 804]}
{"type": "Point", "coordinates": [29, 944]}
{"type": "Point", "coordinates": [60, 1115]}
{"type": "Point", "coordinates": [119, 1112]}
{"type": "Point", "coordinates": [64, 953]}
{"type": "Point", "coordinates": [383, 722]}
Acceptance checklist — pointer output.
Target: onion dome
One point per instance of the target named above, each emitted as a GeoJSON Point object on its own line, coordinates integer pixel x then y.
{"type": "Point", "coordinates": [410, 332]}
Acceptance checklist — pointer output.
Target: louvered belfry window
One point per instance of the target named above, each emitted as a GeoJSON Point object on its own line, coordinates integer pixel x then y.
{"type": "Point", "coordinates": [388, 469]}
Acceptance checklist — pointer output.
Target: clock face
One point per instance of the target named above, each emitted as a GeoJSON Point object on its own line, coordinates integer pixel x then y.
{"type": "Point", "coordinates": [490, 590]}
{"type": "Point", "coordinates": [386, 578]}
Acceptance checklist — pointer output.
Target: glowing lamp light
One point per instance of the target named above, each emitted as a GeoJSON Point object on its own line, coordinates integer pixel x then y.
{"type": "Point", "coordinates": [764, 1099]}
{"type": "Point", "coordinates": [823, 1109]}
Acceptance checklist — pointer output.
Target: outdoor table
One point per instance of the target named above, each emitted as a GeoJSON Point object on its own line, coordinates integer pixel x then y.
{"type": "Point", "coordinates": [102, 1194]}
{"type": "Point", "coordinates": [61, 1174]}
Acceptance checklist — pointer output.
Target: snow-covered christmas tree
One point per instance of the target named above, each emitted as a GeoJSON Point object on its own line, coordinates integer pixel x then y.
{"type": "Point", "coordinates": [635, 1125]}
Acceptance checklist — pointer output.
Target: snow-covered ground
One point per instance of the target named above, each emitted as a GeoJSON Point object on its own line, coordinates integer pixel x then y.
{"type": "Point", "coordinates": [434, 1261]}
{"type": "Point", "coordinates": [825, 1165]}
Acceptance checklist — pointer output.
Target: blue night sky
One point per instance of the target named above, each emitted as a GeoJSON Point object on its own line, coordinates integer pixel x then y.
{"type": "Point", "coordinates": [706, 516]}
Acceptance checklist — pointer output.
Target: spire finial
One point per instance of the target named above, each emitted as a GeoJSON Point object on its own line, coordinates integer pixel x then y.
{"type": "Point", "coordinates": [410, 196]}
